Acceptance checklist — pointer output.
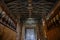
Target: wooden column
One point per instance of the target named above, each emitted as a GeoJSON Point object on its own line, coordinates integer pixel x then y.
{"type": "Point", "coordinates": [18, 28]}
{"type": "Point", "coordinates": [44, 28]}
{"type": "Point", "coordinates": [18, 31]}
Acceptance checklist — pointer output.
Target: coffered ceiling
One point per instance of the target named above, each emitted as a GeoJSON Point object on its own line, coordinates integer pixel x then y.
{"type": "Point", "coordinates": [39, 9]}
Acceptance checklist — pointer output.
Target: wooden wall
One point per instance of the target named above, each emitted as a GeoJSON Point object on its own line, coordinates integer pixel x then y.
{"type": "Point", "coordinates": [6, 33]}
{"type": "Point", "coordinates": [54, 34]}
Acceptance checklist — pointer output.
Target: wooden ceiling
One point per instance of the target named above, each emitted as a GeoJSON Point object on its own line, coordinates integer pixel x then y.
{"type": "Point", "coordinates": [20, 8]}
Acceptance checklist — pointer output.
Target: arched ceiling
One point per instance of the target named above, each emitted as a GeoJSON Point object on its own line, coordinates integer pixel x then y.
{"type": "Point", "coordinates": [39, 7]}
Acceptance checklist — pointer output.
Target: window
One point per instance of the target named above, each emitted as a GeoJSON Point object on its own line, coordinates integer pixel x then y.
{"type": "Point", "coordinates": [30, 34]}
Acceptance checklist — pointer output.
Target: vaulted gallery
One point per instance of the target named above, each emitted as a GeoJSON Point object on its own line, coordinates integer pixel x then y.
{"type": "Point", "coordinates": [29, 19]}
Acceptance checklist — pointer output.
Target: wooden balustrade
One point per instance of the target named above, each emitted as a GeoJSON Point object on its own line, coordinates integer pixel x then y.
{"type": "Point", "coordinates": [52, 24]}
{"type": "Point", "coordinates": [54, 17]}
{"type": "Point", "coordinates": [6, 20]}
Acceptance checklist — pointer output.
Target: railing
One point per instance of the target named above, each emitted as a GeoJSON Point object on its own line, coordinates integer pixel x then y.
{"type": "Point", "coordinates": [54, 18]}
{"type": "Point", "coordinates": [6, 20]}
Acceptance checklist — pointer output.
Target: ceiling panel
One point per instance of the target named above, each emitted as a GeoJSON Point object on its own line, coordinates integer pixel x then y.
{"type": "Point", "coordinates": [39, 7]}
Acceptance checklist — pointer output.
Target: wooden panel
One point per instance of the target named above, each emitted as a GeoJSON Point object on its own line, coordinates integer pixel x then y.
{"type": "Point", "coordinates": [6, 33]}
{"type": "Point", "coordinates": [54, 34]}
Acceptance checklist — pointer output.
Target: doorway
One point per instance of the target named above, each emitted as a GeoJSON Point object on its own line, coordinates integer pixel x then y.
{"type": "Point", "coordinates": [29, 31]}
